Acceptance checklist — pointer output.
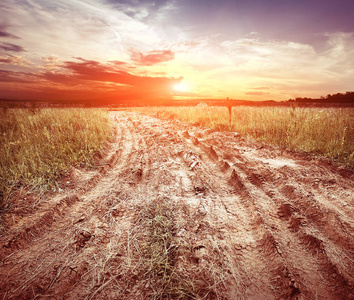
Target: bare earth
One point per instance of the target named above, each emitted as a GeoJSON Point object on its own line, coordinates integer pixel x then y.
{"type": "Point", "coordinates": [245, 221]}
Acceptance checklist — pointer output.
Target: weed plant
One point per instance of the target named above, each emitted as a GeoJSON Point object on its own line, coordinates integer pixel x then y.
{"type": "Point", "coordinates": [322, 131]}
{"type": "Point", "coordinates": [36, 147]}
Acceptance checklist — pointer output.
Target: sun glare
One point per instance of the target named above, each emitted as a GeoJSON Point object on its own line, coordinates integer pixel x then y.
{"type": "Point", "coordinates": [180, 87]}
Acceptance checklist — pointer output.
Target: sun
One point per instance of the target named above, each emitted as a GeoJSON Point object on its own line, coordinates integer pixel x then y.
{"type": "Point", "coordinates": [180, 87]}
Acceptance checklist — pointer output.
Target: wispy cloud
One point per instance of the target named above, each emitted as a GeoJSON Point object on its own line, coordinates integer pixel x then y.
{"type": "Point", "coordinates": [51, 62]}
{"type": "Point", "coordinates": [153, 57]}
{"type": "Point", "coordinates": [141, 10]}
{"type": "Point", "coordinates": [15, 60]}
{"type": "Point", "coordinates": [91, 28]}
{"type": "Point", "coordinates": [11, 47]}
{"type": "Point", "coordinates": [15, 77]}
{"type": "Point", "coordinates": [5, 34]}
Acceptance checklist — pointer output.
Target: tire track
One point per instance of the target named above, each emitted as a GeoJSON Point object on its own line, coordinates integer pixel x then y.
{"type": "Point", "coordinates": [52, 228]}
{"type": "Point", "coordinates": [211, 188]}
{"type": "Point", "coordinates": [244, 179]}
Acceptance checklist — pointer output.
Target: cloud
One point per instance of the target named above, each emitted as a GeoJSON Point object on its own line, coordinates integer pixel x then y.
{"type": "Point", "coordinates": [4, 33]}
{"type": "Point", "coordinates": [93, 79]}
{"type": "Point", "coordinates": [15, 60]}
{"type": "Point", "coordinates": [118, 62]}
{"type": "Point", "coordinates": [15, 77]}
{"type": "Point", "coordinates": [141, 10]}
{"type": "Point", "coordinates": [153, 57]}
{"type": "Point", "coordinates": [11, 47]}
{"type": "Point", "coordinates": [51, 62]}
{"type": "Point", "coordinates": [95, 71]}
{"type": "Point", "coordinates": [340, 50]}
{"type": "Point", "coordinates": [96, 30]}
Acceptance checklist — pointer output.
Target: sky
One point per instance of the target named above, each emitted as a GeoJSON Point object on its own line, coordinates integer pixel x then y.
{"type": "Point", "coordinates": [175, 49]}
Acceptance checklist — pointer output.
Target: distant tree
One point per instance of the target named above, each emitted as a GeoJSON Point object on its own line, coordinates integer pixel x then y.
{"type": "Point", "coordinates": [348, 97]}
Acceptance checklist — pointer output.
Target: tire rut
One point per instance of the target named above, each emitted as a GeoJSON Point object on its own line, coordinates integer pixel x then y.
{"type": "Point", "coordinates": [265, 202]}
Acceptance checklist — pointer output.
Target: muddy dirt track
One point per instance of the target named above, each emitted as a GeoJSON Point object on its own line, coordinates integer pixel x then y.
{"type": "Point", "coordinates": [242, 221]}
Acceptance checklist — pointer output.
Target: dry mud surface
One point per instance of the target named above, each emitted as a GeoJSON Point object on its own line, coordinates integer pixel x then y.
{"type": "Point", "coordinates": [237, 220]}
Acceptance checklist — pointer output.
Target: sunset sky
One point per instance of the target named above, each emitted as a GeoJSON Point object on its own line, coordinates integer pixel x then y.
{"type": "Point", "coordinates": [181, 49]}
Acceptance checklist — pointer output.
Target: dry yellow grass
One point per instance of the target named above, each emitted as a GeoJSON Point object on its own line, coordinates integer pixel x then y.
{"type": "Point", "coordinates": [37, 146]}
{"type": "Point", "coordinates": [322, 131]}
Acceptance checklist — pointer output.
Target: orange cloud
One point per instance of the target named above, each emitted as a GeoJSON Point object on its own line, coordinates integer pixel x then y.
{"type": "Point", "coordinates": [15, 77]}
{"type": "Point", "coordinates": [91, 80]}
{"type": "Point", "coordinates": [15, 60]}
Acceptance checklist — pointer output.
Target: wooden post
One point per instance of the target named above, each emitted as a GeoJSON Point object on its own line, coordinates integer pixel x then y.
{"type": "Point", "coordinates": [229, 106]}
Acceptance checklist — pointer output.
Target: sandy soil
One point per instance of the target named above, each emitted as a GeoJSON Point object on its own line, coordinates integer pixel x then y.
{"type": "Point", "coordinates": [245, 221]}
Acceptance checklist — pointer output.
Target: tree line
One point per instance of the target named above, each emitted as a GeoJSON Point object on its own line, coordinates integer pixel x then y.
{"type": "Point", "coordinates": [348, 97]}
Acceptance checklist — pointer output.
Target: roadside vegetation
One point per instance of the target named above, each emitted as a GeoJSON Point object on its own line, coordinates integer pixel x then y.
{"type": "Point", "coordinates": [322, 131]}
{"type": "Point", "coordinates": [38, 145]}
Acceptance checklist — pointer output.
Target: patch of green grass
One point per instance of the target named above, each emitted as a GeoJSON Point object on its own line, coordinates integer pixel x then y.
{"type": "Point", "coordinates": [322, 131]}
{"type": "Point", "coordinates": [38, 146]}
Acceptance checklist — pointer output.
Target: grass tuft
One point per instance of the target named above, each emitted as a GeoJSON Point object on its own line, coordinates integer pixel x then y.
{"type": "Point", "coordinates": [161, 250]}
{"type": "Point", "coordinates": [37, 146]}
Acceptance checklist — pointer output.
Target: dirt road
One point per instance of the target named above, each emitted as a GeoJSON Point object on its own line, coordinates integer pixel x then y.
{"type": "Point", "coordinates": [236, 220]}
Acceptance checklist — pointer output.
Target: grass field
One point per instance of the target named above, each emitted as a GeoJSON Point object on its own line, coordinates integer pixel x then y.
{"type": "Point", "coordinates": [37, 146]}
{"type": "Point", "coordinates": [322, 131]}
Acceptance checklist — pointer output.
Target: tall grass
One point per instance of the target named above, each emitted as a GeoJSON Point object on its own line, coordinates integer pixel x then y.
{"type": "Point", "coordinates": [36, 146]}
{"type": "Point", "coordinates": [323, 131]}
